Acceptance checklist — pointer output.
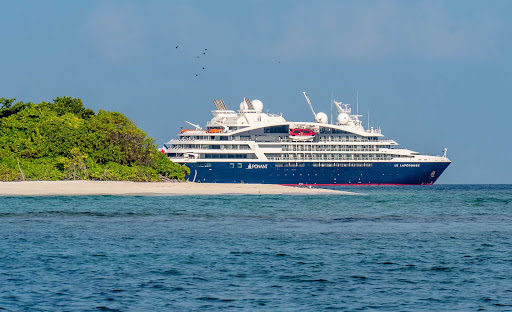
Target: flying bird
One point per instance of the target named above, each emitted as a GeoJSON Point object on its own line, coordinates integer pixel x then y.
{"type": "Point", "coordinates": [203, 67]}
{"type": "Point", "coordinates": [176, 47]}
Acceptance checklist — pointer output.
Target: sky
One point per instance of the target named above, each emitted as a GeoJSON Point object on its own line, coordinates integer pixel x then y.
{"type": "Point", "coordinates": [431, 74]}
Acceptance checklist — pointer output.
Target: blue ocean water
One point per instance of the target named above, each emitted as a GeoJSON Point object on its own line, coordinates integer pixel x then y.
{"type": "Point", "coordinates": [424, 248]}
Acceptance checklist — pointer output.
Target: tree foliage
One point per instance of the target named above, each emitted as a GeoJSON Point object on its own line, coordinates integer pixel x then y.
{"type": "Point", "coordinates": [64, 140]}
{"type": "Point", "coordinates": [9, 109]}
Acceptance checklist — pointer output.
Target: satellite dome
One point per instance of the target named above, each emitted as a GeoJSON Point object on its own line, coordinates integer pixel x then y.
{"type": "Point", "coordinates": [243, 105]}
{"type": "Point", "coordinates": [343, 118]}
{"type": "Point", "coordinates": [322, 118]}
{"type": "Point", "coordinates": [258, 105]}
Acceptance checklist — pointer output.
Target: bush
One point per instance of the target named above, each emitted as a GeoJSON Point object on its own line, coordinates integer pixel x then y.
{"type": "Point", "coordinates": [64, 140]}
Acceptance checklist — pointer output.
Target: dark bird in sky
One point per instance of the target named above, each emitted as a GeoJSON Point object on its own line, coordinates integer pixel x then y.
{"type": "Point", "coordinates": [197, 75]}
{"type": "Point", "coordinates": [206, 49]}
{"type": "Point", "coordinates": [203, 67]}
{"type": "Point", "coordinates": [176, 47]}
{"type": "Point", "coordinates": [198, 57]}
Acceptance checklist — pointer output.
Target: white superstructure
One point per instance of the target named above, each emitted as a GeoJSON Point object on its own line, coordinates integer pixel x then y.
{"type": "Point", "coordinates": [251, 135]}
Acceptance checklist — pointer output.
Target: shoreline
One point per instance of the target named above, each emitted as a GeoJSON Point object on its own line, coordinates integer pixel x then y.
{"type": "Point", "coordinates": [126, 188]}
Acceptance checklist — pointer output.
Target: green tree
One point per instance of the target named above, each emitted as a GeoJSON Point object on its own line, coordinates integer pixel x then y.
{"type": "Point", "coordinates": [65, 140]}
{"type": "Point", "coordinates": [9, 109]}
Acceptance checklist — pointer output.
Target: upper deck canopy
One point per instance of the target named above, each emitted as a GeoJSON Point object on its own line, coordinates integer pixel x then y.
{"type": "Point", "coordinates": [250, 116]}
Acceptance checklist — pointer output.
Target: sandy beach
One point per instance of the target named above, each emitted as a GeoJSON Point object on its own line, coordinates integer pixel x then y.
{"type": "Point", "coordinates": [46, 188]}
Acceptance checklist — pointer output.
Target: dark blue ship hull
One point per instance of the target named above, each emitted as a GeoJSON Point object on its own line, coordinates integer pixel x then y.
{"type": "Point", "coordinates": [378, 173]}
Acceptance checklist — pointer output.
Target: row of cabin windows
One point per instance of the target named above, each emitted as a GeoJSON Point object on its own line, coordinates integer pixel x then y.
{"type": "Point", "coordinates": [218, 156]}
{"type": "Point", "coordinates": [331, 156]}
{"type": "Point", "coordinates": [336, 138]}
{"type": "Point", "coordinates": [206, 138]}
{"type": "Point", "coordinates": [207, 146]}
{"type": "Point", "coordinates": [344, 138]}
{"type": "Point", "coordinates": [342, 148]}
{"type": "Point", "coordinates": [286, 129]}
{"type": "Point", "coordinates": [348, 164]}
{"type": "Point", "coordinates": [297, 147]}
{"type": "Point", "coordinates": [325, 164]}
{"type": "Point", "coordinates": [295, 165]}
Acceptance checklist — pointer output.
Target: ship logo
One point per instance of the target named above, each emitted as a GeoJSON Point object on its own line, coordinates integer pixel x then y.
{"type": "Point", "coordinates": [257, 166]}
{"type": "Point", "coordinates": [433, 174]}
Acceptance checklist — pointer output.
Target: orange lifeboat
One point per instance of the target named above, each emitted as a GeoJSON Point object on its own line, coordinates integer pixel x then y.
{"type": "Point", "coordinates": [213, 130]}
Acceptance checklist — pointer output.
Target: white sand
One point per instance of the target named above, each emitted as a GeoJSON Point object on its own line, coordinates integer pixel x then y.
{"type": "Point", "coordinates": [41, 188]}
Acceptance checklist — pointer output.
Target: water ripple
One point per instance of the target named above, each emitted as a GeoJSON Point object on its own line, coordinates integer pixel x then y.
{"type": "Point", "coordinates": [394, 249]}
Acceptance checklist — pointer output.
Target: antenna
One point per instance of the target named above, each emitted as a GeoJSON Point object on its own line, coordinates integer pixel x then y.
{"type": "Point", "coordinates": [357, 102]}
{"type": "Point", "coordinates": [368, 119]}
{"type": "Point", "coordinates": [332, 98]}
{"type": "Point", "coordinates": [310, 106]}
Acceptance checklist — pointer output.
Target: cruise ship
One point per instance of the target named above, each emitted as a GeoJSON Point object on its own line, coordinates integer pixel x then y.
{"type": "Point", "coordinates": [253, 146]}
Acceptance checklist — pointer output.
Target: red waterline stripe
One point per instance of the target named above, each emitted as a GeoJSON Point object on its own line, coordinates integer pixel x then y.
{"type": "Point", "coordinates": [356, 184]}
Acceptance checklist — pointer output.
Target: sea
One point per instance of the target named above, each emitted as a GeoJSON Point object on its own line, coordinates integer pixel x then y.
{"type": "Point", "coordinates": [406, 248]}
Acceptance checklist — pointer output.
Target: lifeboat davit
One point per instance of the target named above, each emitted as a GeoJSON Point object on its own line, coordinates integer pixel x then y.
{"type": "Point", "coordinates": [302, 134]}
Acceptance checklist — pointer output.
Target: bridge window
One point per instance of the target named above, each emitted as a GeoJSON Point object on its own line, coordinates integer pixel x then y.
{"type": "Point", "coordinates": [332, 130]}
{"type": "Point", "coordinates": [277, 129]}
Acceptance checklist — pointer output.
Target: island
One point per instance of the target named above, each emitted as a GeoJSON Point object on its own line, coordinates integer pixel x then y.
{"type": "Point", "coordinates": [63, 148]}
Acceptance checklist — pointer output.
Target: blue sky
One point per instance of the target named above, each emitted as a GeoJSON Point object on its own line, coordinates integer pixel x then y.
{"type": "Point", "coordinates": [432, 74]}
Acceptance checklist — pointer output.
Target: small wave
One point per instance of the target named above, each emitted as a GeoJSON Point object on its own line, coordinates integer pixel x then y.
{"type": "Point", "coordinates": [241, 252]}
{"type": "Point", "coordinates": [481, 200]}
{"type": "Point", "coordinates": [320, 280]}
{"type": "Point", "coordinates": [63, 213]}
{"type": "Point", "coordinates": [440, 268]}
{"type": "Point", "coordinates": [407, 281]}
{"type": "Point", "coordinates": [209, 298]}
{"type": "Point", "coordinates": [101, 308]}
{"type": "Point", "coordinates": [172, 272]}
